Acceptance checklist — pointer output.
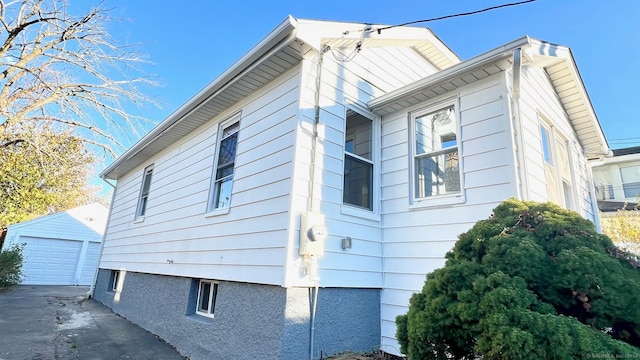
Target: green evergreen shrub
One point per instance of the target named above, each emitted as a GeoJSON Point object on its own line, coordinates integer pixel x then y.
{"type": "Point", "coordinates": [11, 266]}
{"type": "Point", "coordinates": [534, 281]}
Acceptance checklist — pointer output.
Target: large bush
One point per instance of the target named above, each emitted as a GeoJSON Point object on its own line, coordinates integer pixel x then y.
{"type": "Point", "coordinates": [11, 266]}
{"type": "Point", "coordinates": [533, 281]}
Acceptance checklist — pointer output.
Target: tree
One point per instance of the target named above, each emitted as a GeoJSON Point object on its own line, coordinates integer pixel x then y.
{"type": "Point", "coordinates": [45, 172]}
{"type": "Point", "coordinates": [66, 71]}
{"type": "Point", "coordinates": [534, 281]}
{"type": "Point", "coordinates": [65, 87]}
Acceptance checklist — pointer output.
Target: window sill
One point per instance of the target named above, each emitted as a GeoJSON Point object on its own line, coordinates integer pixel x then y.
{"type": "Point", "coordinates": [206, 319]}
{"type": "Point", "coordinates": [359, 212]}
{"type": "Point", "coordinates": [217, 212]}
{"type": "Point", "coordinates": [437, 201]}
{"type": "Point", "coordinates": [138, 220]}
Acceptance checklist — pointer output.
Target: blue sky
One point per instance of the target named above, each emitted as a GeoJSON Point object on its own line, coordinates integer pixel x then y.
{"type": "Point", "coordinates": [192, 43]}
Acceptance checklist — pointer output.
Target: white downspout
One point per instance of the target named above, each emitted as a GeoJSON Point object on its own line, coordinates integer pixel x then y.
{"type": "Point", "coordinates": [517, 140]}
{"type": "Point", "coordinates": [104, 236]}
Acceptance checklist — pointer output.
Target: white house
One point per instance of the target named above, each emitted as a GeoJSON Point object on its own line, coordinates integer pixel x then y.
{"type": "Point", "coordinates": [617, 179]}
{"type": "Point", "coordinates": [291, 208]}
{"type": "Point", "coordinates": [62, 248]}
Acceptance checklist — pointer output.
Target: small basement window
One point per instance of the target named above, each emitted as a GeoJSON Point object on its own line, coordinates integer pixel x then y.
{"type": "Point", "coordinates": [115, 278]}
{"type": "Point", "coordinates": [207, 292]}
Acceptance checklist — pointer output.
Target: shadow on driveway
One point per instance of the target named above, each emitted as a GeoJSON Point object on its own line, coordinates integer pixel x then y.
{"type": "Point", "coordinates": [59, 322]}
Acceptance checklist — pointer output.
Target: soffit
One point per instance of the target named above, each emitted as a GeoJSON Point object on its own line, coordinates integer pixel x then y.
{"type": "Point", "coordinates": [558, 63]}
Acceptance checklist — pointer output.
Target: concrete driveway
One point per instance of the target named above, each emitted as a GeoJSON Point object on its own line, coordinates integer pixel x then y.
{"type": "Point", "coordinates": [59, 322]}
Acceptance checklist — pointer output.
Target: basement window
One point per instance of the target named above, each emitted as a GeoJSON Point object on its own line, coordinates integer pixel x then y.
{"type": "Point", "coordinates": [207, 293]}
{"type": "Point", "coordinates": [115, 278]}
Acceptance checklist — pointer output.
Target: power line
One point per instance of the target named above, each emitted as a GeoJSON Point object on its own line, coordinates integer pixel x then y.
{"type": "Point", "coordinates": [456, 15]}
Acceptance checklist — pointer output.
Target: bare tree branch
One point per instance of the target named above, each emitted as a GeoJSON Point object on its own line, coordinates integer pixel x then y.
{"type": "Point", "coordinates": [66, 70]}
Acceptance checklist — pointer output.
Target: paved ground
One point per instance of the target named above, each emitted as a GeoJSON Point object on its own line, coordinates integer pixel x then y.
{"type": "Point", "coordinates": [58, 322]}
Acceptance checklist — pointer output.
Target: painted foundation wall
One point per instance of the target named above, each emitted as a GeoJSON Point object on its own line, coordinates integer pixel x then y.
{"type": "Point", "coordinates": [251, 321]}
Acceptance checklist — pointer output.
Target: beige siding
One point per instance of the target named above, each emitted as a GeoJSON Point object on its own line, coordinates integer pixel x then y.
{"type": "Point", "coordinates": [177, 237]}
{"type": "Point", "coordinates": [417, 237]}
{"type": "Point", "coordinates": [373, 72]}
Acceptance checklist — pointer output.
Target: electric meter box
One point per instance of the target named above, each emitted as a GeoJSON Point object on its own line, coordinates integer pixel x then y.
{"type": "Point", "coordinates": [313, 234]}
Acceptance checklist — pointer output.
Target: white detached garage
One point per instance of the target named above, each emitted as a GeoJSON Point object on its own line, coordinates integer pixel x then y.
{"type": "Point", "coordinates": [62, 248]}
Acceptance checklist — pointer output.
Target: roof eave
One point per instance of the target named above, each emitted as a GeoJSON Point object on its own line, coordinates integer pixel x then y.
{"type": "Point", "coordinates": [451, 72]}
{"type": "Point", "coordinates": [281, 32]}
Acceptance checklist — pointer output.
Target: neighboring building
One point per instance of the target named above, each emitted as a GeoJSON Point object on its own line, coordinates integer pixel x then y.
{"type": "Point", "coordinates": [337, 162]}
{"type": "Point", "coordinates": [617, 179]}
{"type": "Point", "coordinates": [62, 248]}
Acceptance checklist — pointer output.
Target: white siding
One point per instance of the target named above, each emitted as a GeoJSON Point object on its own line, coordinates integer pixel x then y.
{"type": "Point", "coordinates": [176, 237]}
{"type": "Point", "coordinates": [417, 238]}
{"type": "Point", "coordinates": [539, 99]}
{"type": "Point", "coordinates": [373, 72]}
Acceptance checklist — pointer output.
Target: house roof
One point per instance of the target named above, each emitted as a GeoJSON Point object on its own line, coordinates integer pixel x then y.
{"type": "Point", "coordinates": [281, 50]}
{"type": "Point", "coordinates": [92, 215]}
{"type": "Point", "coordinates": [626, 151]}
{"type": "Point", "coordinates": [557, 61]}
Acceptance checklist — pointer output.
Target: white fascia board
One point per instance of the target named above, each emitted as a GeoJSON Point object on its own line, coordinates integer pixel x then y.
{"type": "Point", "coordinates": [283, 30]}
{"type": "Point", "coordinates": [540, 49]}
{"type": "Point", "coordinates": [606, 150]}
{"type": "Point", "coordinates": [451, 72]}
{"type": "Point", "coordinates": [318, 33]}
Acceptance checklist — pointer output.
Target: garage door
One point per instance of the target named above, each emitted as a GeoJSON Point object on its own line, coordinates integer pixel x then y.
{"type": "Point", "coordinates": [50, 261]}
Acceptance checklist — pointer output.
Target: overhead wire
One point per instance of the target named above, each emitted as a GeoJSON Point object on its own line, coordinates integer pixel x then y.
{"type": "Point", "coordinates": [368, 30]}
{"type": "Point", "coordinates": [456, 15]}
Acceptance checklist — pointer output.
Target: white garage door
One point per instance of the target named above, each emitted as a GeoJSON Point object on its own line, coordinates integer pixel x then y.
{"type": "Point", "coordinates": [50, 261]}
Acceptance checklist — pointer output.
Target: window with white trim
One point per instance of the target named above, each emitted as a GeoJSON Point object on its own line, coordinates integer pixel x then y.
{"type": "Point", "coordinates": [144, 192]}
{"type": "Point", "coordinates": [115, 278]}
{"type": "Point", "coordinates": [557, 166]}
{"type": "Point", "coordinates": [207, 293]}
{"type": "Point", "coordinates": [358, 162]}
{"type": "Point", "coordinates": [222, 184]}
{"type": "Point", "coordinates": [436, 155]}
{"type": "Point", "coordinates": [630, 176]}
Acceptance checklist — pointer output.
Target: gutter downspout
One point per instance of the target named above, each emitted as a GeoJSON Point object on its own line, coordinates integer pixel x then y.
{"type": "Point", "coordinates": [517, 140]}
{"type": "Point", "coordinates": [104, 236]}
{"type": "Point", "coordinates": [311, 262]}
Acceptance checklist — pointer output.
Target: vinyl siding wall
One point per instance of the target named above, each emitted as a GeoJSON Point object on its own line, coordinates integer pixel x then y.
{"type": "Point", "coordinates": [176, 237]}
{"type": "Point", "coordinates": [416, 237]}
{"type": "Point", "coordinates": [539, 100]}
{"type": "Point", "coordinates": [373, 72]}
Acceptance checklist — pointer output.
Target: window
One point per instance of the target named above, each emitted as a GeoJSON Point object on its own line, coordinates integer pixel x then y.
{"type": "Point", "coordinates": [436, 154]}
{"type": "Point", "coordinates": [630, 176]}
{"type": "Point", "coordinates": [358, 163]}
{"type": "Point", "coordinates": [144, 192]}
{"type": "Point", "coordinates": [557, 167]}
{"type": "Point", "coordinates": [603, 184]}
{"type": "Point", "coordinates": [223, 171]}
{"type": "Point", "coordinates": [115, 276]}
{"type": "Point", "coordinates": [207, 292]}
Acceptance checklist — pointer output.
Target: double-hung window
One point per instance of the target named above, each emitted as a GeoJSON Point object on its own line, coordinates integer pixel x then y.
{"type": "Point", "coordinates": [144, 192]}
{"type": "Point", "coordinates": [358, 162]}
{"type": "Point", "coordinates": [557, 166]}
{"type": "Point", "coordinates": [220, 197]}
{"type": "Point", "coordinates": [436, 155]}
{"type": "Point", "coordinates": [207, 293]}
